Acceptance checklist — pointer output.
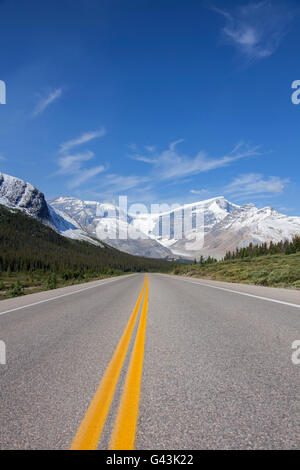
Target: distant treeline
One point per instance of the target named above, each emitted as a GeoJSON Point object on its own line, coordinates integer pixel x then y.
{"type": "Point", "coordinates": [284, 247]}
{"type": "Point", "coordinates": [203, 261]}
{"type": "Point", "coordinates": [27, 245]}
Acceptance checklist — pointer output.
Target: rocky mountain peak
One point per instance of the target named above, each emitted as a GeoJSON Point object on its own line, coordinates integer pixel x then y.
{"type": "Point", "coordinates": [18, 193]}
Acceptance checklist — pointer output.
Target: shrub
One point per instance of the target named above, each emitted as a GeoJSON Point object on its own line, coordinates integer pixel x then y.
{"type": "Point", "coordinates": [279, 275]}
{"type": "Point", "coordinates": [16, 290]}
{"type": "Point", "coordinates": [260, 277]}
{"type": "Point", "coordinates": [51, 282]}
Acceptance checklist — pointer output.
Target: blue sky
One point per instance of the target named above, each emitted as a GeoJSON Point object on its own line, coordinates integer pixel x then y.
{"type": "Point", "coordinates": [160, 100]}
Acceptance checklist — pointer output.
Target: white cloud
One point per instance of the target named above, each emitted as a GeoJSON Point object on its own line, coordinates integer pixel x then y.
{"type": "Point", "coordinates": [143, 158]}
{"type": "Point", "coordinates": [171, 164]}
{"type": "Point", "coordinates": [85, 175]}
{"type": "Point", "coordinates": [46, 101]}
{"type": "Point", "coordinates": [286, 209]}
{"type": "Point", "coordinates": [132, 147]}
{"type": "Point", "coordinates": [83, 139]}
{"type": "Point", "coordinates": [111, 185]}
{"type": "Point", "coordinates": [2, 157]}
{"type": "Point", "coordinates": [123, 183]}
{"type": "Point", "coordinates": [256, 29]}
{"type": "Point", "coordinates": [150, 148]}
{"type": "Point", "coordinates": [198, 191]}
{"type": "Point", "coordinates": [256, 184]}
{"type": "Point", "coordinates": [72, 165]}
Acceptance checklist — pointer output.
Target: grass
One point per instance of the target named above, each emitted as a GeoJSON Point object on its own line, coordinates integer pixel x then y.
{"type": "Point", "coordinates": [33, 258]}
{"type": "Point", "coordinates": [16, 284]}
{"type": "Point", "coordinates": [271, 270]}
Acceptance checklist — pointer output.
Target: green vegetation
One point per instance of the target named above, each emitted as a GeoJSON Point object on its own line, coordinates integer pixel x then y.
{"type": "Point", "coordinates": [276, 265]}
{"type": "Point", "coordinates": [34, 257]}
{"type": "Point", "coordinates": [286, 247]}
{"type": "Point", "coordinates": [16, 289]}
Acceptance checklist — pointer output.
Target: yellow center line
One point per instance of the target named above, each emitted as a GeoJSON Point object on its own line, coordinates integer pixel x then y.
{"type": "Point", "coordinates": [90, 430]}
{"type": "Point", "coordinates": [123, 435]}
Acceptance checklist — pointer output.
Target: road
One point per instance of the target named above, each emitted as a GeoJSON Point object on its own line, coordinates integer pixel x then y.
{"type": "Point", "coordinates": [196, 365]}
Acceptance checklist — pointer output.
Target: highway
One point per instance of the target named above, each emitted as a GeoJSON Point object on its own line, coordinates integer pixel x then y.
{"type": "Point", "coordinates": [151, 362]}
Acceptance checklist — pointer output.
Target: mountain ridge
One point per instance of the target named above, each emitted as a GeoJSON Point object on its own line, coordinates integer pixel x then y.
{"type": "Point", "coordinates": [18, 194]}
{"type": "Point", "coordinates": [97, 217]}
{"type": "Point", "coordinates": [226, 225]}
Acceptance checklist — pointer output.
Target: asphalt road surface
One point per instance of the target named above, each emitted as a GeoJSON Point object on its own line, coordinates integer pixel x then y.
{"type": "Point", "coordinates": [157, 362]}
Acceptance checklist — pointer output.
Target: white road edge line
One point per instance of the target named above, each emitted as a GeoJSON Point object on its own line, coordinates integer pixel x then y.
{"type": "Point", "coordinates": [64, 295]}
{"type": "Point", "coordinates": [240, 293]}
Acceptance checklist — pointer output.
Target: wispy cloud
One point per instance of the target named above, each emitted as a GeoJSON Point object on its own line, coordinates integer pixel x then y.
{"type": "Point", "coordinates": [112, 185]}
{"type": "Point", "coordinates": [2, 157]}
{"type": "Point", "coordinates": [286, 209]}
{"type": "Point", "coordinates": [133, 147]}
{"type": "Point", "coordinates": [198, 191]}
{"type": "Point", "coordinates": [123, 183]}
{"type": "Point", "coordinates": [256, 29]}
{"type": "Point", "coordinates": [172, 164]}
{"type": "Point", "coordinates": [150, 148]}
{"type": "Point", "coordinates": [73, 165]}
{"type": "Point", "coordinates": [143, 158]}
{"type": "Point", "coordinates": [45, 101]}
{"type": "Point", "coordinates": [256, 184]}
{"type": "Point", "coordinates": [82, 139]}
{"type": "Point", "coordinates": [85, 175]}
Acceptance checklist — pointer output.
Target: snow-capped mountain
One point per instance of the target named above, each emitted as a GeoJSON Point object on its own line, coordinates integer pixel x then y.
{"type": "Point", "coordinates": [224, 225]}
{"type": "Point", "coordinates": [110, 224]}
{"type": "Point", "coordinates": [17, 194]}
{"type": "Point", "coordinates": [14, 192]}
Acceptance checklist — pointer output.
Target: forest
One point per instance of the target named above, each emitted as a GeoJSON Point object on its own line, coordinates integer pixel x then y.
{"type": "Point", "coordinates": [32, 254]}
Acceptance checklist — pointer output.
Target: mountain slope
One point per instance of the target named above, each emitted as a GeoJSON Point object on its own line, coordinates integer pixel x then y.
{"type": "Point", "coordinates": [108, 223]}
{"type": "Point", "coordinates": [276, 265]}
{"type": "Point", "coordinates": [226, 227]}
{"type": "Point", "coordinates": [17, 194]}
{"type": "Point", "coordinates": [27, 245]}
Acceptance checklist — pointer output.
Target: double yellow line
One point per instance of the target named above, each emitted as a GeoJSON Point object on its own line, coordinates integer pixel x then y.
{"type": "Point", "coordinates": [123, 435]}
